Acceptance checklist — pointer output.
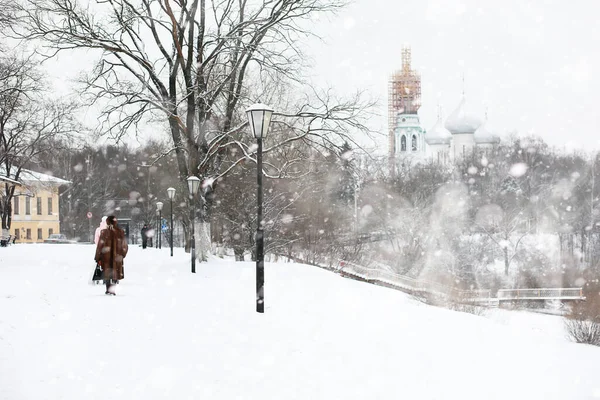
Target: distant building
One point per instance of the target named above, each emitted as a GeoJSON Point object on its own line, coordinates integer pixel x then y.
{"type": "Point", "coordinates": [461, 135]}
{"type": "Point", "coordinates": [35, 208]}
{"type": "Point", "coordinates": [407, 136]}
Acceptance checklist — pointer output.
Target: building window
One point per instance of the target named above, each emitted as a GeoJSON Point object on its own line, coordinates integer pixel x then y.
{"type": "Point", "coordinates": [40, 234]}
{"type": "Point", "coordinates": [39, 206]}
{"type": "Point", "coordinates": [414, 143]}
{"type": "Point", "coordinates": [403, 143]}
{"type": "Point", "coordinates": [16, 206]}
{"type": "Point", "coordinates": [49, 205]}
{"type": "Point", "coordinates": [28, 234]}
{"type": "Point", "coordinates": [50, 231]}
{"type": "Point", "coordinates": [17, 234]}
{"type": "Point", "coordinates": [27, 205]}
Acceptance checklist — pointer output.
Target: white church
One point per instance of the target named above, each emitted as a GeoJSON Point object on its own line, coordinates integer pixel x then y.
{"type": "Point", "coordinates": [462, 134]}
{"type": "Point", "coordinates": [459, 136]}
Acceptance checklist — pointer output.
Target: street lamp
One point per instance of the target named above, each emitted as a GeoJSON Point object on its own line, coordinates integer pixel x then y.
{"type": "Point", "coordinates": [193, 185]}
{"type": "Point", "coordinates": [156, 231]}
{"type": "Point", "coordinates": [159, 205]}
{"type": "Point", "coordinates": [259, 118]}
{"type": "Point", "coordinates": [171, 193]}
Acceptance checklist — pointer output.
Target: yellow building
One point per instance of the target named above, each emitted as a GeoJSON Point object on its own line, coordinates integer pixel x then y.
{"type": "Point", "coordinates": [35, 211]}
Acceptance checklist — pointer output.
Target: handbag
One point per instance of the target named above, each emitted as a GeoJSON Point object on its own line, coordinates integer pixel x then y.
{"type": "Point", "coordinates": [97, 274]}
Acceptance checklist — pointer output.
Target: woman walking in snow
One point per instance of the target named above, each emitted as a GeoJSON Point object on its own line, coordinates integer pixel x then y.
{"type": "Point", "coordinates": [110, 252]}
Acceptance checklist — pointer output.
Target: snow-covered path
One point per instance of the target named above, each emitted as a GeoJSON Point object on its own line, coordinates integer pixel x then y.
{"type": "Point", "coordinates": [169, 334]}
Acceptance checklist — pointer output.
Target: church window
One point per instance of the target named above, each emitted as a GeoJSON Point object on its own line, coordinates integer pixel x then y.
{"type": "Point", "coordinates": [403, 143]}
{"type": "Point", "coordinates": [414, 143]}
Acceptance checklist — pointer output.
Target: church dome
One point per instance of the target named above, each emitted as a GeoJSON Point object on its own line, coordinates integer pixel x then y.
{"type": "Point", "coordinates": [438, 134]}
{"type": "Point", "coordinates": [462, 120]}
{"type": "Point", "coordinates": [484, 136]}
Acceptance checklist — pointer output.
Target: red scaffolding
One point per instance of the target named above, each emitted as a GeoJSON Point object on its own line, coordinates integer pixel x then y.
{"type": "Point", "coordinates": [404, 94]}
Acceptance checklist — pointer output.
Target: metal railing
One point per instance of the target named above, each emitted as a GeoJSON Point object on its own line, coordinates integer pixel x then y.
{"type": "Point", "coordinates": [418, 286]}
{"type": "Point", "coordinates": [541, 294]}
{"type": "Point", "coordinates": [413, 285]}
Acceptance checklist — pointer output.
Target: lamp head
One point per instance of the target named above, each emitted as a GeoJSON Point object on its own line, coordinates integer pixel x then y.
{"type": "Point", "coordinates": [171, 193]}
{"type": "Point", "coordinates": [193, 184]}
{"type": "Point", "coordinates": [259, 118]}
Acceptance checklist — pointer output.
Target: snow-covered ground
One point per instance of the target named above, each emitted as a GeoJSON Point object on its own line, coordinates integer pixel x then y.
{"type": "Point", "coordinates": [169, 334]}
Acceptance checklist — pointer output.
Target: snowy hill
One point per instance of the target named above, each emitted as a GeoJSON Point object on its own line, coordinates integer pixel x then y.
{"type": "Point", "coordinates": [169, 334]}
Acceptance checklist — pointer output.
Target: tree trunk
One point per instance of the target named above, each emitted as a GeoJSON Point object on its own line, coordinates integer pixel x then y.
{"type": "Point", "coordinates": [203, 242]}
{"type": "Point", "coordinates": [506, 262]}
{"type": "Point", "coordinates": [239, 253]}
{"type": "Point", "coordinates": [582, 258]}
{"type": "Point", "coordinates": [6, 204]}
{"type": "Point", "coordinates": [571, 243]}
{"type": "Point", "coordinates": [6, 218]}
{"type": "Point", "coordinates": [186, 238]}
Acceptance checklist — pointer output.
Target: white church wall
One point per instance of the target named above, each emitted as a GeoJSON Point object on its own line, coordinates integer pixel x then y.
{"type": "Point", "coordinates": [463, 145]}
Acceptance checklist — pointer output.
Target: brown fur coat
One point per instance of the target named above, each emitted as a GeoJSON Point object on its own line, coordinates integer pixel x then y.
{"type": "Point", "coordinates": [110, 252]}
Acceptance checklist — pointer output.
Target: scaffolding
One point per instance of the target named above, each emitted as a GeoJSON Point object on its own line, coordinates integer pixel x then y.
{"type": "Point", "coordinates": [404, 95]}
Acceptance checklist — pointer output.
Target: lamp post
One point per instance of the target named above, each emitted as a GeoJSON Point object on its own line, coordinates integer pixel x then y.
{"type": "Point", "coordinates": [156, 231]}
{"type": "Point", "coordinates": [159, 206]}
{"type": "Point", "coordinates": [193, 185]}
{"type": "Point", "coordinates": [171, 193]}
{"type": "Point", "coordinates": [259, 118]}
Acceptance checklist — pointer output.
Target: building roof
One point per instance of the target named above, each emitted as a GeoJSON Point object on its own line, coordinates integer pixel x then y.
{"type": "Point", "coordinates": [28, 177]}
{"type": "Point", "coordinates": [438, 134]}
{"type": "Point", "coordinates": [5, 179]}
{"type": "Point", "coordinates": [462, 120]}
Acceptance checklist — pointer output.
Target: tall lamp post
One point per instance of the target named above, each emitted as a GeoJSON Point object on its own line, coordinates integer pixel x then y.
{"type": "Point", "coordinates": [193, 185]}
{"type": "Point", "coordinates": [156, 232]}
{"type": "Point", "coordinates": [159, 206]}
{"type": "Point", "coordinates": [259, 118]}
{"type": "Point", "coordinates": [171, 193]}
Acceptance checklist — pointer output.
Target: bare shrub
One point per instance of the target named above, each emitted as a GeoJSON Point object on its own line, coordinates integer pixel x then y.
{"type": "Point", "coordinates": [530, 305]}
{"type": "Point", "coordinates": [462, 301]}
{"type": "Point", "coordinates": [528, 279]}
{"type": "Point", "coordinates": [583, 331]}
{"type": "Point", "coordinates": [431, 299]}
{"type": "Point", "coordinates": [583, 321]}
{"type": "Point", "coordinates": [470, 308]}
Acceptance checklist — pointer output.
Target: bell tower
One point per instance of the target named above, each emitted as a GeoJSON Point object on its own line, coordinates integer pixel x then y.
{"type": "Point", "coordinates": [406, 136]}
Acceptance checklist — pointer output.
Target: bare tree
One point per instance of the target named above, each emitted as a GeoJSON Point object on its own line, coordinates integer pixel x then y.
{"type": "Point", "coordinates": [191, 63]}
{"type": "Point", "coordinates": [26, 123]}
{"type": "Point", "coordinates": [505, 228]}
{"type": "Point", "coordinates": [7, 13]}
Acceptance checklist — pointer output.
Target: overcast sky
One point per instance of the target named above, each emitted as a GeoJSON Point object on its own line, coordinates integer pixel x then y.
{"type": "Point", "coordinates": [531, 63]}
